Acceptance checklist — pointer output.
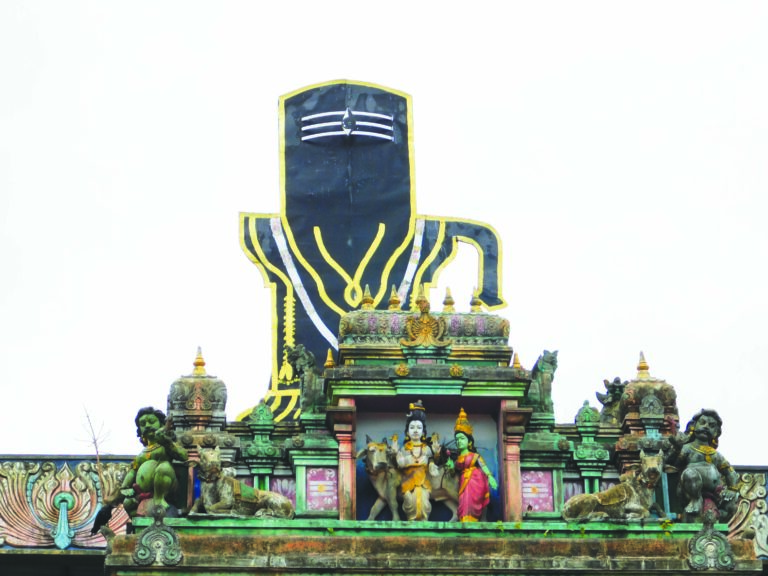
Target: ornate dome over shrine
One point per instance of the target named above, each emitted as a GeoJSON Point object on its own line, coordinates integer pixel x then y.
{"type": "Point", "coordinates": [198, 400]}
{"type": "Point", "coordinates": [647, 397]}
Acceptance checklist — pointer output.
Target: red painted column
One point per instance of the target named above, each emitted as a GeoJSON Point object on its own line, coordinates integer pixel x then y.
{"type": "Point", "coordinates": [513, 493]}
{"type": "Point", "coordinates": [344, 423]}
{"type": "Point", "coordinates": [512, 423]}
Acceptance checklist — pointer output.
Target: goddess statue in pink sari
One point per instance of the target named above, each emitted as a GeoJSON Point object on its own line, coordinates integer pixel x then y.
{"type": "Point", "coordinates": [475, 479]}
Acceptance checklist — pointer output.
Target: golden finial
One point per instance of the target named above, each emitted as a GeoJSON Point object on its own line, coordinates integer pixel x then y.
{"type": "Point", "coordinates": [475, 305]}
{"type": "Point", "coordinates": [394, 299]}
{"type": "Point", "coordinates": [516, 362]}
{"type": "Point", "coordinates": [462, 423]}
{"type": "Point", "coordinates": [199, 364]}
{"type": "Point", "coordinates": [642, 368]}
{"type": "Point", "coordinates": [448, 302]}
{"type": "Point", "coordinates": [421, 298]}
{"type": "Point", "coordinates": [329, 363]}
{"type": "Point", "coordinates": [424, 330]}
{"type": "Point", "coordinates": [367, 299]}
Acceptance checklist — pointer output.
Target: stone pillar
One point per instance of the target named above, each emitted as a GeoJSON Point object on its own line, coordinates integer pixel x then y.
{"type": "Point", "coordinates": [512, 429]}
{"type": "Point", "coordinates": [343, 418]}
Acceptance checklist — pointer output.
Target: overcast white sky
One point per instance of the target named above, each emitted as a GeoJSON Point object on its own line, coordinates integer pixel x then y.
{"type": "Point", "coordinates": [618, 148]}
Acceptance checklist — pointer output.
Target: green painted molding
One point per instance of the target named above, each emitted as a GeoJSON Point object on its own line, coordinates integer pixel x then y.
{"type": "Point", "coordinates": [650, 529]}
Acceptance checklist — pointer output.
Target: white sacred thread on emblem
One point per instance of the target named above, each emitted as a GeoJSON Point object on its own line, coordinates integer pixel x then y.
{"type": "Point", "coordinates": [348, 124]}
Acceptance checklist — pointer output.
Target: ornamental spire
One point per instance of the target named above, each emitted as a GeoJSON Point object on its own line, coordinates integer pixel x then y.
{"type": "Point", "coordinates": [329, 363]}
{"type": "Point", "coordinates": [421, 299]}
{"type": "Point", "coordinates": [199, 364]}
{"type": "Point", "coordinates": [475, 305]}
{"type": "Point", "coordinates": [642, 368]}
{"type": "Point", "coordinates": [367, 299]}
{"type": "Point", "coordinates": [448, 302]}
{"type": "Point", "coordinates": [394, 299]}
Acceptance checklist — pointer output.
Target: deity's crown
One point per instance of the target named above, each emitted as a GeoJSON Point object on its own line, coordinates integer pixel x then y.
{"type": "Point", "coordinates": [416, 406]}
{"type": "Point", "coordinates": [462, 423]}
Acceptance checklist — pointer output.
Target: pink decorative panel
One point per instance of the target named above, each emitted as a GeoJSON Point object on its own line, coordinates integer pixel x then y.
{"type": "Point", "coordinates": [537, 491]}
{"type": "Point", "coordinates": [285, 487]}
{"type": "Point", "coordinates": [572, 488]}
{"type": "Point", "coordinates": [322, 493]}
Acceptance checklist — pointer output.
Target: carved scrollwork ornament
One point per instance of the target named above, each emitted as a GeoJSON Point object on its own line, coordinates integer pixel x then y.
{"type": "Point", "coordinates": [710, 550]}
{"type": "Point", "coordinates": [345, 327]}
{"type": "Point", "coordinates": [261, 414]}
{"type": "Point", "coordinates": [587, 415]}
{"type": "Point", "coordinates": [750, 520]}
{"type": "Point", "coordinates": [752, 486]}
{"type": "Point", "coordinates": [46, 504]}
{"type": "Point", "coordinates": [760, 527]}
{"type": "Point", "coordinates": [651, 406]}
{"type": "Point", "coordinates": [262, 449]}
{"type": "Point", "coordinates": [591, 452]}
{"type": "Point", "coordinates": [158, 544]}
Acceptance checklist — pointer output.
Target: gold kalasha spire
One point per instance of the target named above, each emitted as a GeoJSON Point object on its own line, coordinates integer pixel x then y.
{"type": "Point", "coordinates": [367, 299]}
{"type": "Point", "coordinates": [448, 302]}
{"type": "Point", "coordinates": [516, 362]}
{"type": "Point", "coordinates": [642, 368]}
{"type": "Point", "coordinates": [475, 305]}
{"type": "Point", "coordinates": [199, 364]}
{"type": "Point", "coordinates": [329, 363]}
{"type": "Point", "coordinates": [421, 298]}
{"type": "Point", "coordinates": [394, 299]}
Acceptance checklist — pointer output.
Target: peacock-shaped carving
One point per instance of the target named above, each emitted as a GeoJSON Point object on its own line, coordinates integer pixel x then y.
{"type": "Point", "coordinates": [49, 503]}
{"type": "Point", "coordinates": [425, 329]}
